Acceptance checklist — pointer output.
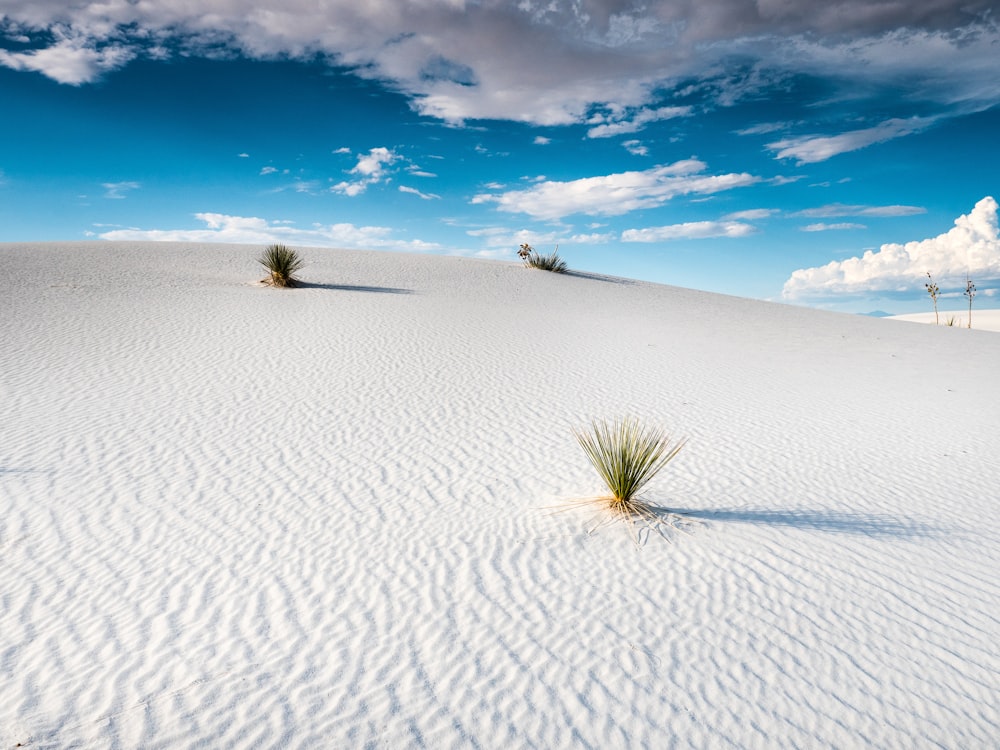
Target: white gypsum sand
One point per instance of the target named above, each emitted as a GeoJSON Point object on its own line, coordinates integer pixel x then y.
{"type": "Point", "coordinates": [237, 516]}
{"type": "Point", "coordinates": [983, 320]}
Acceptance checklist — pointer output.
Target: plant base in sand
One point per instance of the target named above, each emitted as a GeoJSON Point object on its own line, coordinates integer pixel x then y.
{"type": "Point", "coordinates": [281, 263]}
{"type": "Point", "coordinates": [627, 456]}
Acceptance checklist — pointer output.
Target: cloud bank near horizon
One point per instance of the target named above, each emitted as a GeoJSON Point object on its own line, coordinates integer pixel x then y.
{"type": "Point", "coordinates": [971, 247]}
{"type": "Point", "coordinates": [602, 62]}
{"type": "Point", "coordinates": [252, 230]}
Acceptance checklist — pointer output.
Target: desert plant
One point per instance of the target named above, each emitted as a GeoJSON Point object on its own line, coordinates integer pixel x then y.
{"type": "Point", "coordinates": [932, 289]}
{"type": "Point", "coordinates": [970, 292]}
{"type": "Point", "coordinates": [533, 259]}
{"type": "Point", "coordinates": [950, 322]}
{"type": "Point", "coordinates": [627, 456]}
{"type": "Point", "coordinates": [281, 263]}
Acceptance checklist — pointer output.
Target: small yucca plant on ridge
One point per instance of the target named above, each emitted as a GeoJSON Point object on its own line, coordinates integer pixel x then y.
{"type": "Point", "coordinates": [627, 456]}
{"type": "Point", "coordinates": [532, 259]}
{"type": "Point", "coordinates": [281, 262]}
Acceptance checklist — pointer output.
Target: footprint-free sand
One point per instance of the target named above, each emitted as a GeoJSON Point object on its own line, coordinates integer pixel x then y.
{"type": "Point", "coordinates": [234, 516]}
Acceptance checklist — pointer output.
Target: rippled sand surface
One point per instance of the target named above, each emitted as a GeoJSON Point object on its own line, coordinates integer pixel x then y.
{"type": "Point", "coordinates": [341, 516]}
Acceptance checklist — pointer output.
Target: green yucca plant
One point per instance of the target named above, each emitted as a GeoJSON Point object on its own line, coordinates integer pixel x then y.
{"type": "Point", "coordinates": [532, 259]}
{"type": "Point", "coordinates": [627, 456]}
{"type": "Point", "coordinates": [282, 263]}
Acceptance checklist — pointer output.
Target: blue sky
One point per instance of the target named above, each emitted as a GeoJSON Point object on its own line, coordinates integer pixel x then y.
{"type": "Point", "coordinates": [825, 154]}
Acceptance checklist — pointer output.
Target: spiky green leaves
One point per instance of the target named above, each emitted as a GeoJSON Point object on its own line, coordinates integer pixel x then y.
{"type": "Point", "coordinates": [533, 259]}
{"type": "Point", "coordinates": [627, 456]}
{"type": "Point", "coordinates": [281, 263]}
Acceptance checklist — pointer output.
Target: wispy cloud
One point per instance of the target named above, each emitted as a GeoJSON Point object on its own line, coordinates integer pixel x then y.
{"type": "Point", "coordinates": [752, 214]}
{"type": "Point", "coordinates": [505, 237]}
{"type": "Point", "coordinates": [691, 230]}
{"type": "Point", "coordinates": [833, 210]}
{"type": "Point", "coordinates": [823, 227]}
{"type": "Point", "coordinates": [619, 123]}
{"type": "Point", "coordinates": [117, 190]}
{"type": "Point", "coordinates": [614, 194]}
{"type": "Point", "coordinates": [815, 148]}
{"type": "Point", "coordinates": [414, 191]}
{"type": "Point", "coordinates": [972, 246]}
{"type": "Point", "coordinates": [255, 230]}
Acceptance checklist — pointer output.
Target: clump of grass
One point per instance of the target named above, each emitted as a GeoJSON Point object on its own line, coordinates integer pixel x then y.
{"type": "Point", "coordinates": [533, 259]}
{"type": "Point", "coordinates": [627, 456]}
{"type": "Point", "coordinates": [281, 263]}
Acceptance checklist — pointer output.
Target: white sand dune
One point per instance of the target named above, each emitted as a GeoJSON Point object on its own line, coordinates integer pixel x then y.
{"type": "Point", "coordinates": [236, 516]}
{"type": "Point", "coordinates": [982, 320]}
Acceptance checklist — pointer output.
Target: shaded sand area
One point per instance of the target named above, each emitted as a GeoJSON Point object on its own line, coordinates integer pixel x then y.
{"type": "Point", "coordinates": [236, 516]}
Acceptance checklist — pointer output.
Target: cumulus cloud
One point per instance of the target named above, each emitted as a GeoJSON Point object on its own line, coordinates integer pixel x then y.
{"type": "Point", "coordinates": [971, 247]}
{"type": "Point", "coordinates": [815, 148]}
{"type": "Point", "coordinates": [614, 194]}
{"type": "Point", "coordinates": [542, 62]}
{"type": "Point", "coordinates": [636, 148]}
{"type": "Point", "coordinates": [70, 61]}
{"type": "Point", "coordinates": [254, 230]}
{"type": "Point", "coordinates": [370, 169]}
{"type": "Point", "coordinates": [691, 230]}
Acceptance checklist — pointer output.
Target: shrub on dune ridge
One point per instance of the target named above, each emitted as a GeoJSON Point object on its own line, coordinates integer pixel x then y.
{"type": "Point", "coordinates": [532, 259]}
{"type": "Point", "coordinates": [281, 263]}
{"type": "Point", "coordinates": [627, 456]}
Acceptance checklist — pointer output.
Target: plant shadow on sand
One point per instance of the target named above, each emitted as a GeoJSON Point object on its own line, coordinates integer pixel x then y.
{"type": "Point", "coordinates": [600, 277]}
{"type": "Point", "coordinates": [353, 288]}
{"type": "Point", "coordinates": [831, 521]}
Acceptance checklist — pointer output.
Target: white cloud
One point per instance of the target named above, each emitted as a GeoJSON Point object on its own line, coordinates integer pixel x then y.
{"type": "Point", "coordinates": [823, 227]}
{"type": "Point", "coordinates": [541, 140]}
{"type": "Point", "coordinates": [614, 194]}
{"type": "Point", "coordinates": [544, 63]}
{"type": "Point", "coordinates": [691, 230]}
{"type": "Point", "coordinates": [254, 230]}
{"type": "Point", "coordinates": [753, 214]}
{"type": "Point", "coordinates": [117, 190]}
{"type": "Point", "coordinates": [414, 191]}
{"type": "Point", "coordinates": [268, 170]}
{"type": "Point", "coordinates": [763, 128]}
{"type": "Point", "coordinates": [832, 210]}
{"type": "Point", "coordinates": [70, 61]}
{"type": "Point", "coordinates": [618, 123]}
{"type": "Point", "coordinates": [972, 246]}
{"type": "Point", "coordinates": [371, 170]}
{"type": "Point", "coordinates": [244, 155]}
{"type": "Point", "coordinates": [814, 148]}
{"type": "Point", "coordinates": [504, 237]}
{"type": "Point", "coordinates": [636, 148]}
